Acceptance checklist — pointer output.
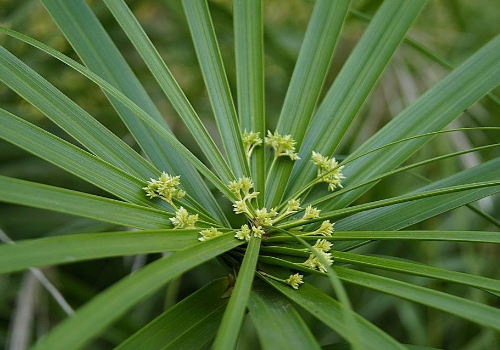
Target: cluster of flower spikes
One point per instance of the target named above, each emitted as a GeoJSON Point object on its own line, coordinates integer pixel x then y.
{"type": "Point", "coordinates": [329, 170]}
{"type": "Point", "coordinates": [167, 189]}
{"type": "Point", "coordinates": [261, 220]}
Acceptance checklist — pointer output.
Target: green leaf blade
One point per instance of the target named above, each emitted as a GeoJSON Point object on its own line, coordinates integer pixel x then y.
{"type": "Point", "coordinates": [81, 204]}
{"type": "Point", "coordinates": [354, 83]}
{"type": "Point", "coordinates": [191, 323]}
{"type": "Point", "coordinates": [307, 80]}
{"type": "Point", "coordinates": [169, 85]}
{"type": "Point", "coordinates": [85, 246]}
{"type": "Point", "coordinates": [228, 333]}
{"type": "Point", "coordinates": [100, 312]}
{"type": "Point", "coordinates": [249, 52]}
{"type": "Point", "coordinates": [212, 67]}
{"type": "Point", "coordinates": [278, 324]}
{"type": "Point", "coordinates": [99, 53]}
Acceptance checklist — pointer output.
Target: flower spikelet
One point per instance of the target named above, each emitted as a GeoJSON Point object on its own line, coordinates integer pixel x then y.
{"type": "Point", "coordinates": [283, 145]}
{"type": "Point", "coordinates": [182, 219]}
{"type": "Point", "coordinates": [209, 233]}
{"type": "Point", "coordinates": [257, 231]}
{"type": "Point", "coordinates": [264, 217]}
{"type": "Point", "coordinates": [311, 213]}
{"type": "Point", "coordinates": [295, 280]}
{"type": "Point", "coordinates": [250, 141]}
{"type": "Point", "coordinates": [329, 170]}
{"type": "Point", "coordinates": [244, 233]}
{"type": "Point", "coordinates": [166, 188]}
{"type": "Point", "coordinates": [326, 229]}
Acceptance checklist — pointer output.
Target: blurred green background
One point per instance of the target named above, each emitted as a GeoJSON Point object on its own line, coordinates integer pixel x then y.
{"type": "Point", "coordinates": [452, 28]}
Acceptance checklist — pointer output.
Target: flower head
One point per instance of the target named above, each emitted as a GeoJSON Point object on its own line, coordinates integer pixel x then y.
{"type": "Point", "coordinates": [326, 229]}
{"type": "Point", "coordinates": [283, 145]}
{"type": "Point", "coordinates": [240, 207]}
{"type": "Point", "coordinates": [264, 217]}
{"type": "Point", "coordinates": [323, 245]}
{"type": "Point", "coordinates": [313, 262]}
{"type": "Point", "coordinates": [166, 188]}
{"type": "Point", "coordinates": [209, 233]}
{"type": "Point", "coordinates": [295, 280]}
{"type": "Point", "coordinates": [257, 231]}
{"type": "Point", "coordinates": [329, 170]}
{"type": "Point", "coordinates": [250, 141]}
{"type": "Point", "coordinates": [182, 219]}
{"type": "Point", "coordinates": [244, 233]}
{"type": "Point", "coordinates": [311, 213]}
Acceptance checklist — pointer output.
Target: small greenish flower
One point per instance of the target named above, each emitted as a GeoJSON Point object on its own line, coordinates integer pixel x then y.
{"type": "Point", "coordinates": [282, 145]}
{"type": "Point", "coordinates": [313, 262]}
{"type": "Point", "coordinates": [311, 213]}
{"type": "Point", "coordinates": [244, 233]}
{"type": "Point", "coordinates": [295, 280]}
{"type": "Point", "coordinates": [250, 141]}
{"type": "Point", "coordinates": [264, 217]}
{"type": "Point", "coordinates": [241, 190]}
{"type": "Point", "coordinates": [209, 233]}
{"type": "Point", "coordinates": [240, 207]}
{"type": "Point", "coordinates": [323, 245]}
{"type": "Point", "coordinates": [166, 188]}
{"type": "Point", "coordinates": [329, 170]}
{"type": "Point", "coordinates": [257, 231]}
{"type": "Point", "coordinates": [326, 229]}
{"type": "Point", "coordinates": [293, 205]}
{"type": "Point", "coordinates": [182, 219]}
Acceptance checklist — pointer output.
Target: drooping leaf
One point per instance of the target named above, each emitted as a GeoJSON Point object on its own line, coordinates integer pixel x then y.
{"type": "Point", "coordinates": [77, 247]}
{"type": "Point", "coordinates": [81, 204]}
{"type": "Point", "coordinates": [100, 312]}
{"type": "Point", "coordinates": [329, 311]}
{"type": "Point", "coordinates": [484, 315]}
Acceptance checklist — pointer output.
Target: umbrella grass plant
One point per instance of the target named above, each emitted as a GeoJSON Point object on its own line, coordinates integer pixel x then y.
{"type": "Point", "coordinates": [296, 204]}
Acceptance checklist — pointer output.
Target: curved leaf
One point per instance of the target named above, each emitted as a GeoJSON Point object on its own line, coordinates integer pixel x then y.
{"type": "Point", "coordinates": [77, 247]}
{"type": "Point", "coordinates": [100, 312]}
{"type": "Point", "coordinates": [81, 204]}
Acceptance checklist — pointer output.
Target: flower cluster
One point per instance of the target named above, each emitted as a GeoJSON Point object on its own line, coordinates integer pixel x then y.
{"type": "Point", "coordinates": [295, 280]}
{"type": "Point", "coordinates": [241, 190]}
{"type": "Point", "coordinates": [329, 170]}
{"type": "Point", "coordinates": [250, 141]}
{"type": "Point", "coordinates": [283, 145]}
{"type": "Point", "coordinates": [166, 188]}
{"type": "Point", "coordinates": [245, 232]}
{"type": "Point", "coordinates": [183, 219]}
{"type": "Point", "coordinates": [323, 247]}
{"type": "Point", "coordinates": [209, 233]}
{"type": "Point", "coordinates": [311, 213]}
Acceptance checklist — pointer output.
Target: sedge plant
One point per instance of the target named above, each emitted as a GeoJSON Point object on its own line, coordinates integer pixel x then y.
{"type": "Point", "coordinates": [295, 202]}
